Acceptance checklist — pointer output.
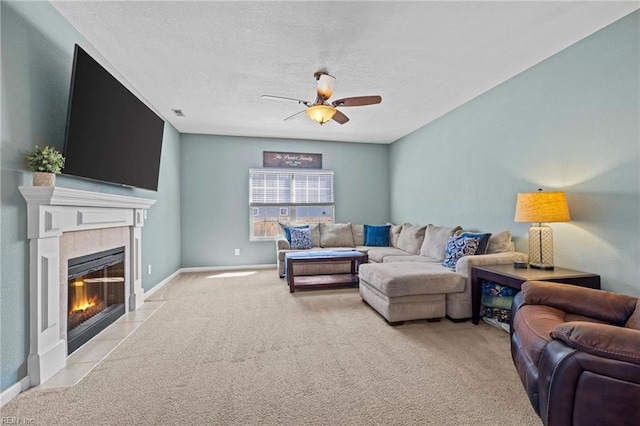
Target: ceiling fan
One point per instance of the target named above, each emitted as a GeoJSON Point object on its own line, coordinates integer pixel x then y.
{"type": "Point", "coordinates": [321, 110]}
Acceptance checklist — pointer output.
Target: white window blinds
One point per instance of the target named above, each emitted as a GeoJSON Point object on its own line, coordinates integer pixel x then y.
{"type": "Point", "coordinates": [290, 187]}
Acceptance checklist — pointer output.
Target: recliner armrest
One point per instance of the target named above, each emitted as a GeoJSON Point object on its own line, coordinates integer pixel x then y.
{"type": "Point", "coordinates": [604, 340]}
{"type": "Point", "coordinates": [598, 304]}
{"type": "Point", "coordinates": [577, 387]}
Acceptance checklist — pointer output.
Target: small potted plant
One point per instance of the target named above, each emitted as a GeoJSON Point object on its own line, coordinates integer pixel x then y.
{"type": "Point", "coordinates": [46, 163]}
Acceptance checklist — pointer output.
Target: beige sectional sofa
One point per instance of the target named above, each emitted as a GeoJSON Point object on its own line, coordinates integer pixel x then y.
{"type": "Point", "coordinates": [407, 280]}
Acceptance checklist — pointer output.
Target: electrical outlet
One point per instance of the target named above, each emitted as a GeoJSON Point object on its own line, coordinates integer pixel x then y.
{"type": "Point", "coordinates": [149, 269]}
{"type": "Point", "coordinates": [237, 252]}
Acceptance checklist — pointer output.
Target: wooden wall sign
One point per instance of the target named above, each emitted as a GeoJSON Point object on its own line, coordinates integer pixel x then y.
{"type": "Point", "coordinates": [291, 159]}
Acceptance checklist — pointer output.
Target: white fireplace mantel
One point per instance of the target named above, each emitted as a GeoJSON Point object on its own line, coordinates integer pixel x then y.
{"type": "Point", "coordinates": [51, 211]}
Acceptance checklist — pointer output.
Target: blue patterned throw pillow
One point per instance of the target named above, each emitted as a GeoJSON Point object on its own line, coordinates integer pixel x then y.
{"type": "Point", "coordinates": [286, 230]}
{"type": "Point", "coordinates": [300, 238]}
{"type": "Point", "coordinates": [483, 244]}
{"type": "Point", "coordinates": [458, 247]}
{"type": "Point", "coordinates": [376, 235]}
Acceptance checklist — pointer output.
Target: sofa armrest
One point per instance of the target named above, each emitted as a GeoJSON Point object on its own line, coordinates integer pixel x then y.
{"type": "Point", "coordinates": [598, 304]}
{"type": "Point", "coordinates": [604, 340]}
{"type": "Point", "coordinates": [465, 263]}
{"type": "Point", "coordinates": [282, 244]}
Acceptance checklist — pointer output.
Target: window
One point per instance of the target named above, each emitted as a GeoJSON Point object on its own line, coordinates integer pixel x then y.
{"type": "Point", "coordinates": [290, 197]}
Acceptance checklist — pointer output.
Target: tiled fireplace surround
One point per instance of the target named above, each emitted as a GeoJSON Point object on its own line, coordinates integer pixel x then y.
{"type": "Point", "coordinates": [66, 223]}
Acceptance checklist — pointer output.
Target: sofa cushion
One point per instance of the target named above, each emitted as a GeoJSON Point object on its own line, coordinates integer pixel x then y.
{"type": "Point", "coordinates": [405, 279]}
{"type": "Point", "coordinates": [411, 238]}
{"type": "Point", "coordinates": [336, 235]}
{"type": "Point", "coordinates": [394, 234]}
{"type": "Point", "coordinates": [300, 238]}
{"type": "Point", "coordinates": [435, 241]}
{"type": "Point", "coordinates": [358, 234]}
{"type": "Point", "coordinates": [376, 235]}
{"type": "Point", "coordinates": [379, 254]}
{"type": "Point", "coordinates": [499, 243]}
{"type": "Point", "coordinates": [483, 242]}
{"type": "Point", "coordinates": [458, 247]}
{"type": "Point", "coordinates": [315, 234]}
{"type": "Point", "coordinates": [407, 257]}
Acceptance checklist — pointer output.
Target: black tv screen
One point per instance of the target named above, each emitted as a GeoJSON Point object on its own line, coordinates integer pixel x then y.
{"type": "Point", "coordinates": [111, 135]}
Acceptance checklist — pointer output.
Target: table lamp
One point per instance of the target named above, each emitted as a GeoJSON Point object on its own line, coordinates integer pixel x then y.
{"type": "Point", "coordinates": [540, 208]}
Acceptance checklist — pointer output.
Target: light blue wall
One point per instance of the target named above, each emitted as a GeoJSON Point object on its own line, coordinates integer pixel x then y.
{"type": "Point", "coordinates": [37, 54]}
{"type": "Point", "coordinates": [571, 123]}
{"type": "Point", "coordinates": [215, 192]}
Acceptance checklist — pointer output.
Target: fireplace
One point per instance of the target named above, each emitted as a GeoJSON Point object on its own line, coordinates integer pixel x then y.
{"type": "Point", "coordinates": [96, 288]}
{"type": "Point", "coordinates": [68, 224]}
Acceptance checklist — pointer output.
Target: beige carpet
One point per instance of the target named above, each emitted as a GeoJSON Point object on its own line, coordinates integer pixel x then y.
{"type": "Point", "coordinates": [241, 350]}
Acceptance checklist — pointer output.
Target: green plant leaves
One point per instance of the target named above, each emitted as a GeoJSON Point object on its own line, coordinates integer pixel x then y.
{"type": "Point", "coordinates": [47, 159]}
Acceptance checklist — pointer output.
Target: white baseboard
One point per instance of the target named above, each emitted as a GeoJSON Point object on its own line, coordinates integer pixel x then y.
{"type": "Point", "coordinates": [161, 284]}
{"type": "Point", "coordinates": [226, 268]}
{"type": "Point", "coordinates": [13, 391]}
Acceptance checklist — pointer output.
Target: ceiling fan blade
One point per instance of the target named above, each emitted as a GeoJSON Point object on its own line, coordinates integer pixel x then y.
{"type": "Point", "coordinates": [357, 101]}
{"type": "Point", "coordinates": [340, 117]}
{"type": "Point", "coordinates": [282, 98]}
{"type": "Point", "coordinates": [296, 115]}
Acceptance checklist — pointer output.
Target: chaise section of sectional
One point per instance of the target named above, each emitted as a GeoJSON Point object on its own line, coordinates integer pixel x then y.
{"type": "Point", "coordinates": [403, 291]}
{"type": "Point", "coordinates": [411, 288]}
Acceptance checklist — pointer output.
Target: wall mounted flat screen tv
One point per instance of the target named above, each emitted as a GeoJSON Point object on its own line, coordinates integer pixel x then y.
{"type": "Point", "coordinates": [111, 135]}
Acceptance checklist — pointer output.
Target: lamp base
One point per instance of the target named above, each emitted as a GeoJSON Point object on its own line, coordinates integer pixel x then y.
{"type": "Point", "coordinates": [540, 266]}
{"type": "Point", "coordinates": [540, 247]}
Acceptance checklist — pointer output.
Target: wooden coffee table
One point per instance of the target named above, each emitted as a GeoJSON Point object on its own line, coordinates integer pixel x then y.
{"type": "Point", "coordinates": [323, 281]}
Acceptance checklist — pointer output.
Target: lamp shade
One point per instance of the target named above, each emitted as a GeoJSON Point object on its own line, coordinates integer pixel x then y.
{"type": "Point", "coordinates": [321, 113]}
{"type": "Point", "coordinates": [542, 207]}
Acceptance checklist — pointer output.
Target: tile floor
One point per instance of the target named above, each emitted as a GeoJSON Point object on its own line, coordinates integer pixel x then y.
{"type": "Point", "coordinates": [87, 357]}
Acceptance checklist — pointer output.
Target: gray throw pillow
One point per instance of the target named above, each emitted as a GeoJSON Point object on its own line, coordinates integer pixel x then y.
{"type": "Point", "coordinates": [499, 243]}
{"type": "Point", "coordinates": [358, 234]}
{"type": "Point", "coordinates": [336, 235]}
{"type": "Point", "coordinates": [315, 234]}
{"type": "Point", "coordinates": [410, 238]}
{"type": "Point", "coordinates": [394, 234]}
{"type": "Point", "coordinates": [435, 241]}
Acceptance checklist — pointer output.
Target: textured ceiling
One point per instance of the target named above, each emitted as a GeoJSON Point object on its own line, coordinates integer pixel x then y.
{"type": "Point", "coordinates": [214, 60]}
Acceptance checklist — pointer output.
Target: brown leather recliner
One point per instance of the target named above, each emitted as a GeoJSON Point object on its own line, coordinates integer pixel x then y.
{"type": "Point", "coordinates": [577, 351]}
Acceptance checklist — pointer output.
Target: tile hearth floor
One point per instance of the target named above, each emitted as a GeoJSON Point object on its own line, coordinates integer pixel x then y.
{"type": "Point", "coordinates": [86, 358]}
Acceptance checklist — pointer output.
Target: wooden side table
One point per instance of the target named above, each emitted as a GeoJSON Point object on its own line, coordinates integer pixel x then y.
{"type": "Point", "coordinates": [509, 276]}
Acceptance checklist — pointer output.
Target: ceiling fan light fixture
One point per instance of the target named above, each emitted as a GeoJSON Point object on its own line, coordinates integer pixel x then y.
{"type": "Point", "coordinates": [321, 113]}
{"type": "Point", "coordinates": [326, 84]}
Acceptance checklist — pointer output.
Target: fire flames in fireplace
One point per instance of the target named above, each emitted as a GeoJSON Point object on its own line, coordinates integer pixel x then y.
{"type": "Point", "coordinates": [95, 295]}
{"type": "Point", "coordinates": [84, 305]}
{"type": "Point", "coordinates": [81, 301]}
